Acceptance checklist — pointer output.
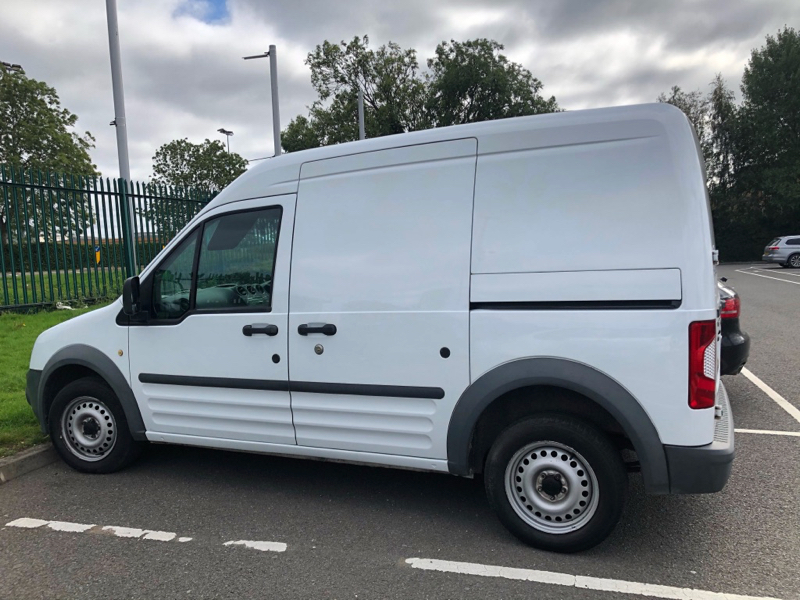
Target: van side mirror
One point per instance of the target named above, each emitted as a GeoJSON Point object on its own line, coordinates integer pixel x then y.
{"type": "Point", "coordinates": [130, 297]}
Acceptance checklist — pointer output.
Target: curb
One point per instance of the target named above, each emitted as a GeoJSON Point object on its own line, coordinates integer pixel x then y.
{"type": "Point", "coordinates": [26, 461]}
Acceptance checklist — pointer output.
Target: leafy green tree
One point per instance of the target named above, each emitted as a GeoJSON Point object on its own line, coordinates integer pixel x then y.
{"type": "Point", "coordinates": [468, 82]}
{"type": "Point", "coordinates": [188, 168]}
{"type": "Point", "coordinates": [770, 118]}
{"type": "Point", "coordinates": [205, 166]}
{"type": "Point", "coordinates": [37, 133]}
{"type": "Point", "coordinates": [723, 135]}
{"type": "Point", "coordinates": [394, 94]}
{"type": "Point", "coordinates": [471, 81]}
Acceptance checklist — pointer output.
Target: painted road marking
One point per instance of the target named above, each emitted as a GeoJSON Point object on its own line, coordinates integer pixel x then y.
{"type": "Point", "coordinates": [123, 532]}
{"type": "Point", "coordinates": [776, 271]}
{"type": "Point", "coordinates": [136, 533]}
{"type": "Point", "coordinates": [26, 523]}
{"type": "Point", "coordinates": [767, 277]}
{"type": "Point", "coordinates": [780, 400]}
{"type": "Point", "coordinates": [766, 432]}
{"type": "Point", "coordinates": [262, 546]}
{"type": "Point", "coordinates": [576, 581]}
{"type": "Point", "coordinates": [145, 534]}
{"type": "Point", "coordinates": [71, 527]}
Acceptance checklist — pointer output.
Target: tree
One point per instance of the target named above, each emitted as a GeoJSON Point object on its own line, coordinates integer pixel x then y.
{"type": "Point", "coordinates": [770, 118]}
{"type": "Point", "coordinates": [471, 81]}
{"type": "Point", "coordinates": [394, 94]}
{"type": "Point", "coordinates": [205, 166]}
{"type": "Point", "coordinates": [398, 98]}
{"type": "Point", "coordinates": [37, 134]}
{"type": "Point", "coordinates": [752, 150]}
{"type": "Point", "coordinates": [189, 168]}
{"type": "Point", "coordinates": [723, 132]}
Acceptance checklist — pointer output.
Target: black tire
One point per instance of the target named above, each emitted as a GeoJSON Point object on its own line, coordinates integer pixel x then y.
{"type": "Point", "coordinates": [605, 480]}
{"type": "Point", "coordinates": [95, 418]}
{"type": "Point", "coordinates": [794, 260]}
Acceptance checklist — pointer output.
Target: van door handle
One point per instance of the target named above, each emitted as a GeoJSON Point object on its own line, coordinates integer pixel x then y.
{"type": "Point", "coordinates": [326, 328]}
{"type": "Point", "coordinates": [264, 328]}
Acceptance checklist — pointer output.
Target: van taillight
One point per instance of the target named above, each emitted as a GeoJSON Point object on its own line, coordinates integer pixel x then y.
{"type": "Point", "coordinates": [702, 364]}
{"type": "Point", "coordinates": [731, 308]}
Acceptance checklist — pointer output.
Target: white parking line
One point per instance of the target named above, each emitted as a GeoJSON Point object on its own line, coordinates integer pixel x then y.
{"type": "Point", "coordinates": [123, 532]}
{"type": "Point", "coordinates": [262, 546]}
{"type": "Point", "coordinates": [780, 400]}
{"type": "Point", "coordinates": [135, 533]}
{"type": "Point", "coordinates": [145, 534]}
{"type": "Point", "coordinates": [776, 271]}
{"type": "Point", "coordinates": [767, 432]}
{"type": "Point", "coordinates": [766, 276]}
{"type": "Point", "coordinates": [576, 581]}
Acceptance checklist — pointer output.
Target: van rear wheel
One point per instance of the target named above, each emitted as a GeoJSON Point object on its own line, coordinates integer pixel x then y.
{"type": "Point", "coordinates": [89, 429]}
{"type": "Point", "coordinates": [556, 483]}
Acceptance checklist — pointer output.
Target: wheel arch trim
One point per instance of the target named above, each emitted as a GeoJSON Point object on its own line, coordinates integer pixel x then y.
{"type": "Point", "coordinates": [92, 358]}
{"type": "Point", "coordinates": [568, 374]}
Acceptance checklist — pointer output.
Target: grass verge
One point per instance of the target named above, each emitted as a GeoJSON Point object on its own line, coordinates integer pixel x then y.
{"type": "Point", "coordinates": [18, 332]}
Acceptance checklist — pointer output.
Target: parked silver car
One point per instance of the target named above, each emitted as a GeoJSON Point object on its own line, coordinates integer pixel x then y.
{"type": "Point", "coordinates": [784, 250]}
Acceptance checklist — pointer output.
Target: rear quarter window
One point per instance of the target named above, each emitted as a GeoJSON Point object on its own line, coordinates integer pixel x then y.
{"type": "Point", "coordinates": [793, 242]}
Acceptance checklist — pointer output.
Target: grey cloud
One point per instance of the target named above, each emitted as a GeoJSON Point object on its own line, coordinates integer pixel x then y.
{"type": "Point", "coordinates": [181, 88]}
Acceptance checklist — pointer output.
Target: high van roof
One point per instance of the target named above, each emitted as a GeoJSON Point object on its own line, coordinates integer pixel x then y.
{"type": "Point", "coordinates": [280, 175]}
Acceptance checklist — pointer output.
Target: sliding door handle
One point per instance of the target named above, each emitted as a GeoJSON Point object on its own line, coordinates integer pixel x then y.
{"type": "Point", "coordinates": [326, 328]}
{"type": "Point", "coordinates": [264, 328]}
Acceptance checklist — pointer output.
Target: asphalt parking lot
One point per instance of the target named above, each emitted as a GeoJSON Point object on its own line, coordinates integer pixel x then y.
{"type": "Point", "coordinates": [342, 531]}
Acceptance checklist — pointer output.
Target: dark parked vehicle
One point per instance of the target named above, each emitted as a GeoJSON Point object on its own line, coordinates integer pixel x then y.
{"type": "Point", "coordinates": [735, 342]}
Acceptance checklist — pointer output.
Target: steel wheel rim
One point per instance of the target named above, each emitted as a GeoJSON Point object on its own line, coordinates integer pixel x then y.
{"type": "Point", "coordinates": [795, 261]}
{"type": "Point", "coordinates": [531, 478]}
{"type": "Point", "coordinates": [89, 429]}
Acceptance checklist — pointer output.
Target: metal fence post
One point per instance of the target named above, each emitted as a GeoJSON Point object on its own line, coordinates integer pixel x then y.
{"type": "Point", "coordinates": [127, 233]}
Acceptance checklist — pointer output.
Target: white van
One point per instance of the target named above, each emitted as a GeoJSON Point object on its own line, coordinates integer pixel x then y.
{"type": "Point", "coordinates": [531, 299]}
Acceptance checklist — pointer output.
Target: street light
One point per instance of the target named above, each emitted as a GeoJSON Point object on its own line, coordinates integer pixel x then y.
{"type": "Point", "coordinates": [227, 135]}
{"type": "Point", "coordinates": [273, 78]}
{"type": "Point", "coordinates": [12, 67]}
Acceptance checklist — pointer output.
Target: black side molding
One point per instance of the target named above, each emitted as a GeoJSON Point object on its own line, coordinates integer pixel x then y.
{"type": "Point", "coordinates": [216, 382]}
{"type": "Point", "coordinates": [312, 387]}
{"type": "Point", "coordinates": [579, 305]}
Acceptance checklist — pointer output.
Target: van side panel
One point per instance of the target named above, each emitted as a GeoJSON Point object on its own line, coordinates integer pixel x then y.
{"type": "Point", "coordinates": [642, 350]}
{"type": "Point", "coordinates": [610, 214]}
{"type": "Point", "coordinates": [598, 206]}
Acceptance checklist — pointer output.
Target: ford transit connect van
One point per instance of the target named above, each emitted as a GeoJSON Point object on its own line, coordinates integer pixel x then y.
{"type": "Point", "coordinates": [462, 300]}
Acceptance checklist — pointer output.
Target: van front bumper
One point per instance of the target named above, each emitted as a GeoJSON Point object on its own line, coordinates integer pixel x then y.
{"type": "Point", "coordinates": [704, 469]}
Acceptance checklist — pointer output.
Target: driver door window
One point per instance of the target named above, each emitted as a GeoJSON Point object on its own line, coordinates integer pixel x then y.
{"type": "Point", "coordinates": [172, 282]}
{"type": "Point", "coordinates": [237, 260]}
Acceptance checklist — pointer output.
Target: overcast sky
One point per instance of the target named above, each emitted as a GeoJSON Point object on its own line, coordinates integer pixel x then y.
{"type": "Point", "coordinates": [184, 75]}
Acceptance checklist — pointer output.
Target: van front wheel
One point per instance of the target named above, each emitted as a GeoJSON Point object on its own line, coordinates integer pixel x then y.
{"type": "Point", "coordinates": [556, 483]}
{"type": "Point", "coordinates": [89, 429]}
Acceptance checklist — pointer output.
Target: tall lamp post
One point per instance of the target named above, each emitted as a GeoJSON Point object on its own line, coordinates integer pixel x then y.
{"type": "Point", "coordinates": [273, 78]}
{"type": "Point", "coordinates": [122, 136]}
{"type": "Point", "coordinates": [227, 135]}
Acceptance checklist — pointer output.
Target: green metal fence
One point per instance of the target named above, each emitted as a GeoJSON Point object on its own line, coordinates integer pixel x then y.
{"type": "Point", "coordinates": [61, 236]}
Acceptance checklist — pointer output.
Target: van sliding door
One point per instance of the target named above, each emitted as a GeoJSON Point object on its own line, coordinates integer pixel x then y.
{"type": "Point", "coordinates": [379, 298]}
